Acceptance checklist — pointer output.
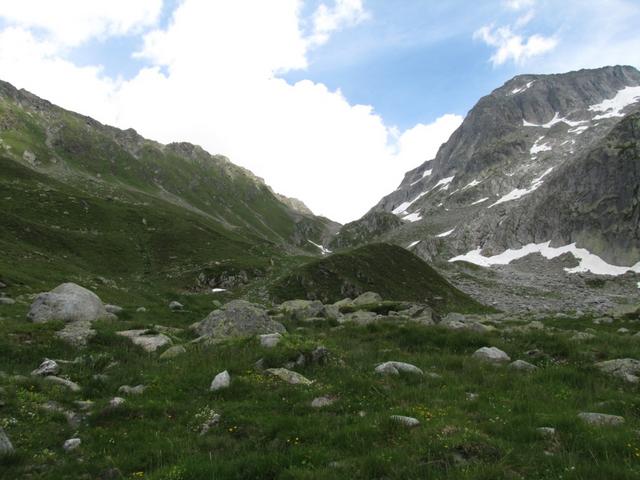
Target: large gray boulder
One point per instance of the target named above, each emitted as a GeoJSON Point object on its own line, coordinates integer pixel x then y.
{"type": "Point", "coordinates": [302, 309]}
{"type": "Point", "coordinates": [628, 369]}
{"type": "Point", "coordinates": [491, 355]}
{"type": "Point", "coordinates": [68, 302]}
{"type": "Point", "coordinates": [368, 298]}
{"type": "Point", "coordinates": [394, 368]}
{"type": "Point", "coordinates": [237, 318]}
{"type": "Point", "coordinates": [600, 419]}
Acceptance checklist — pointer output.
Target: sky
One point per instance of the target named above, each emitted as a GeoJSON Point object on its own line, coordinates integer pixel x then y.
{"type": "Point", "coordinates": [330, 101]}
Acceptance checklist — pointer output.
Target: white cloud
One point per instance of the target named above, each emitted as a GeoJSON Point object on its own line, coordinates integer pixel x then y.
{"type": "Point", "coordinates": [512, 46]}
{"type": "Point", "coordinates": [72, 22]}
{"type": "Point", "coordinates": [212, 80]}
{"type": "Point", "coordinates": [421, 143]}
{"type": "Point", "coordinates": [326, 20]}
{"type": "Point", "coordinates": [519, 4]}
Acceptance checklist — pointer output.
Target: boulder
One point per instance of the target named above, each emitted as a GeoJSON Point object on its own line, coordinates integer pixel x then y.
{"type": "Point", "coordinates": [627, 369]}
{"type": "Point", "coordinates": [345, 302]}
{"type": "Point", "coordinates": [76, 334]}
{"type": "Point", "coordinates": [68, 302]}
{"type": "Point", "coordinates": [360, 317]}
{"type": "Point", "coordinates": [302, 309]}
{"type": "Point", "coordinates": [580, 336]}
{"type": "Point", "coordinates": [149, 340]}
{"type": "Point", "coordinates": [546, 431]}
{"type": "Point", "coordinates": [6, 447]}
{"type": "Point", "coordinates": [129, 390]}
{"type": "Point", "coordinates": [522, 366]}
{"type": "Point", "coordinates": [330, 312]}
{"type": "Point", "coordinates": [491, 355]}
{"type": "Point", "coordinates": [74, 387]}
{"type": "Point", "coordinates": [221, 381]}
{"type": "Point", "coordinates": [406, 421]}
{"type": "Point", "coordinates": [237, 318]}
{"type": "Point", "coordinates": [600, 419]}
{"type": "Point", "coordinates": [47, 367]}
{"type": "Point", "coordinates": [116, 402]}
{"type": "Point", "coordinates": [367, 298]}
{"type": "Point", "coordinates": [173, 352]}
{"type": "Point", "coordinates": [270, 340]}
{"type": "Point", "coordinates": [289, 376]}
{"type": "Point", "coordinates": [7, 301]}
{"type": "Point", "coordinates": [394, 368]}
{"type": "Point", "coordinates": [71, 444]}
{"type": "Point", "coordinates": [325, 401]}
{"type": "Point", "coordinates": [175, 306]}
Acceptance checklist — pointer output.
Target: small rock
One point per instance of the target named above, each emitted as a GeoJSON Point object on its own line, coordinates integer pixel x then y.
{"type": "Point", "coordinates": [114, 309]}
{"type": "Point", "coordinates": [211, 422]}
{"type": "Point", "coordinates": [546, 431]}
{"type": "Point", "coordinates": [270, 340]}
{"type": "Point", "coordinates": [603, 320]}
{"type": "Point", "coordinates": [141, 310]}
{"type": "Point", "coordinates": [74, 387]}
{"type": "Point", "coordinates": [3, 285]}
{"type": "Point", "coordinates": [522, 366]}
{"type": "Point", "coordinates": [128, 390]}
{"type": "Point", "coordinates": [623, 330]}
{"type": "Point", "coordinates": [7, 301]}
{"type": "Point", "coordinates": [394, 368]}
{"type": "Point", "coordinates": [600, 419]}
{"type": "Point", "coordinates": [116, 402]}
{"type": "Point", "coordinates": [406, 421]}
{"type": "Point", "coordinates": [147, 339]}
{"type": "Point", "coordinates": [320, 355]}
{"type": "Point", "coordinates": [6, 447]}
{"type": "Point", "coordinates": [472, 397]}
{"type": "Point", "coordinates": [173, 352]}
{"type": "Point", "coordinates": [289, 376]}
{"type": "Point", "coordinates": [580, 336]}
{"type": "Point", "coordinates": [491, 354]}
{"type": "Point", "coordinates": [175, 306]}
{"type": "Point", "coordinates": [71, 444]}
{"type": "Point", "coordinates": [47, 367]}
{"type": "Point", "coordinates": [325, 401]}
{"type": "Point", "coordinates": [221, 381]}
{"type": "Point", "coordinates": [84, 405]}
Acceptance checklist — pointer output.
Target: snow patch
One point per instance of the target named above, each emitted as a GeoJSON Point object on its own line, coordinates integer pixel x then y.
{"type": "Point", "coordinates": [521, 192]}
{"type": "Point", "coordinates": [578, 130]}
{"type": "Point", "coordinates": [218, 290]}
{"type": "Point", "coordinates": [426, 173]}
{"type": "Point", "coordinates": [588, 261]}
{"type": "Point", "coordinates": [482, 200]}
{"type": "Point", "coordinates": [412, 217]}
{"type": "Point", "coordinates": [535, 149]}
{"type": "Point", "coordinates": [413, 244]}
{"type": "Point", "coordinates": [323, 250]}
{"type": "Point", "coordinates": [471, 184]}
{"type": "Point", "coordinates": [523, 88]}
{"type": "Point", "coordinates": [613, 107]}
{"type": "Point", "coordinates": [446, 234]}
{"type": "Point", "coordinates": [443, 184]}
{"type": "Point", "coordinates": [556, 119]}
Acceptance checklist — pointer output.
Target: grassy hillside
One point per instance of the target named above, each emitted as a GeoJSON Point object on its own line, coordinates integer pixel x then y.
{"type": "Point", "coordinates": [112, 163]}
{"type": "Point", "coordinates": [268, 430]}
{"type": "Point", "coordinates": [392, 271]}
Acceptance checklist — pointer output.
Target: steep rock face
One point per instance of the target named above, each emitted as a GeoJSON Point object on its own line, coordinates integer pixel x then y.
{"type": "Point", "coordinates": [542, 158]}
{"type": "Point", "coordinates": [372, 225]}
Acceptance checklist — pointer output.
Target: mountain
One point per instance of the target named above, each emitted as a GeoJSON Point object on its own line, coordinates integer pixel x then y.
{"type": "Point", "coordinates": [84, 198]}
{"type": "Point", "coordinates": [544, 161]}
